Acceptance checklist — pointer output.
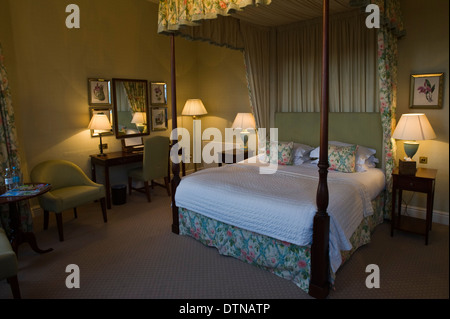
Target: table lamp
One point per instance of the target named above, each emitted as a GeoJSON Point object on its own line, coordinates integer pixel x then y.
{"type": "Point", "coordinates": [100, 121]}
{"type": "Point", "coordinates": [244, 121]}
{"type": "Point", "coordinates": [194, 108]}
{"type": "Point", "coordinates": [412, 127]}
{"type": "Point", "coordinates": [140, 120]}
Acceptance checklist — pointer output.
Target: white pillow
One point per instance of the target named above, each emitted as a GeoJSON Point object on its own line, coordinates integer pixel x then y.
{"type": "Point", "coordinates": [302, 150]}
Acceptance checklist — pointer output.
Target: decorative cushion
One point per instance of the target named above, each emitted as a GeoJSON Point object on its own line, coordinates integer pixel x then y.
{"type": "Point", "coordinates": [285, 151]}
{"type": "Point", "coordinates": [342, 158]}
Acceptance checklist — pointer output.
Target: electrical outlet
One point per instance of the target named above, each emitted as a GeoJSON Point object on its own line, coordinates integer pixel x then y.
{"type": "Point", "coordinates": [423, 160]}
{"type": "Point", "coordinates": [104, 146]}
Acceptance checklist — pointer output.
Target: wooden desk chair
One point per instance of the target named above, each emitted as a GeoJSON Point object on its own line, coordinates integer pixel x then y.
{"type": "Point", "coordinates": [155, 165]}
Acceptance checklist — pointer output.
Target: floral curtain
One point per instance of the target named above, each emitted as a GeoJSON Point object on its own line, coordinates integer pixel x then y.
{"type": "Point", "coordinates": [174, 14]}
{"type": "Point", "coordinates": [391, 29]}
{"type": "Point", "coordinates": [9, 156]}
{"type": "Point", "coordinates": [136, 92]}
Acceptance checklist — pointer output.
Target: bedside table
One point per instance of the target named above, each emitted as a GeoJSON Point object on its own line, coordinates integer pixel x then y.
{"type": "Point", "coordinates": [232, 156]}
{"type": "Point", "coordinates": [423, 181]}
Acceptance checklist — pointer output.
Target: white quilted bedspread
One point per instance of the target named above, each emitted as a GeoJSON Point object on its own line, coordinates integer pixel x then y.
{"type": "Point", "coordinates": [282, 205]}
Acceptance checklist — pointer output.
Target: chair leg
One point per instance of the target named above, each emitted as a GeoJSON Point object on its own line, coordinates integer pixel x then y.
{"type": "Point", "coordinates": [130, 185]}
{"type": "Point", "coordinates": [14, 283]}
{"type": "Point", "coordinates": [103, 204]}
{"type": "Point", "coordinates": [75, 212]}
{"type": "Point", "coordinates": [60, 226]}
{"type": "Point", "coordinates": [45, 219]}
{"type": "Point", "coordinates": [147, 191]}
{"type": "Point", "coordinates": [166, 181]}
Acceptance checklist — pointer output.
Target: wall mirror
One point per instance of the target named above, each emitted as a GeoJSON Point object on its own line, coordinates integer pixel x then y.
{"type": "Point", "coordinates": [131, 114]}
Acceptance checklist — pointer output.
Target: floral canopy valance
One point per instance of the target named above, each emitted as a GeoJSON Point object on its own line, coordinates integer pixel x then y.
{"type": "Point", "coordinates": [175, 13]}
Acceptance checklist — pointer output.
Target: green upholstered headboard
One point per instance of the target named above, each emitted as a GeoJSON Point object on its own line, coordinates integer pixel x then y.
{"type": "Point", "coordinates": [356, 128]}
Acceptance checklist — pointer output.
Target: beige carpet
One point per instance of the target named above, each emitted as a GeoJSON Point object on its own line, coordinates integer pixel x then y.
{"type": "Point", "coordinates": [135, 255]}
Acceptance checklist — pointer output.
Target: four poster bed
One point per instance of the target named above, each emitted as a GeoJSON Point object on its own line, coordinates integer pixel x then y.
{"type": "Point", "coordinates": [289, 222]}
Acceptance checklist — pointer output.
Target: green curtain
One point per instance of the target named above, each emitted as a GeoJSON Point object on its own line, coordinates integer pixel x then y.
{"type": "Point", "coordinates": [9, 156]}
{"type": "Point", "coordinates": [391, 29]}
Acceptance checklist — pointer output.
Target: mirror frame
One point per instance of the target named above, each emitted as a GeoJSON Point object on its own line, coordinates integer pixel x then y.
{"type": "Point", "coordinates": [147, 110]}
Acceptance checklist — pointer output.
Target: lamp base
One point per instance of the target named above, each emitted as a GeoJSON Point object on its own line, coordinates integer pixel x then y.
{"type": "Point", "coordinates": [406, 167]}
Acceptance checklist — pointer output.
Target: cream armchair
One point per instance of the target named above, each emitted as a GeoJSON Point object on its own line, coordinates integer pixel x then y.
{"type": "Point", "coordinates": [71, 188]}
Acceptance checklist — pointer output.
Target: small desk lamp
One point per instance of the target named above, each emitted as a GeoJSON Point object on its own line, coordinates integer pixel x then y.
{"type": "Point", "coordinates": [244, 121]}
{"type": "Point", "coordinates": [140, 121]}
{"type": "Point", "coordinates": [99, 121]}
{"type": "Point", "coordinates": [194, 108]}
{"type": "Point", "coordinates": [412, 127]}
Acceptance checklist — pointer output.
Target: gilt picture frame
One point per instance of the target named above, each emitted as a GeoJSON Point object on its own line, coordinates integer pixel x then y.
{"type": "Point", "coordinates": [158, 93]}
{"type": "Point", "coordinates": [159, 118]}
{"type": "Point", "coordinates": [426, 91]}
{"type": "Point", "coordinates": [99, 92]}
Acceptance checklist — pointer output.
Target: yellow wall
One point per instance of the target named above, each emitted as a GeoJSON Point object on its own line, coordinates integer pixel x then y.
{"type": "Point", "coordinates": [49, 65]}
{"type": "Point", "coordinates": [424, 49]}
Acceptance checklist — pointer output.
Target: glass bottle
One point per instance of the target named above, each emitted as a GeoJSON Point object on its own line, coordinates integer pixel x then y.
{"type": "Point", "coordinates": [8, 179]}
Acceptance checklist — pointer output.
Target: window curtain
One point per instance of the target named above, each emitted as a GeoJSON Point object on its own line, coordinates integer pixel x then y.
{"type": "Point", "coordinates": [390, 31]}
{"type": "Point", "coordinates": [9, 156]}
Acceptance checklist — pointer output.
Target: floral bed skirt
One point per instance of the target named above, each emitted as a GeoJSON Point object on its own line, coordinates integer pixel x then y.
{"type": "Point", "coordinates": [283, 259]}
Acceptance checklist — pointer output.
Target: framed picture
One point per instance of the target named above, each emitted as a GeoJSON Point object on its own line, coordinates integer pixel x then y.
{"type": "Point", "coordinates": [99, 92]}
{"type": "Point", "coordinates": [426, 91]}
{"type": "Point", "coordinates": [158, 93]}
{"type": "Point", "coordinates": [159, 118]}
{"type": "Point", "coordinates": [109, 114]}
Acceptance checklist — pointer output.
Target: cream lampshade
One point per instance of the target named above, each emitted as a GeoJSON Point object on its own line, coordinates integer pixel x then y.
{"type": "Point", "coordinates": [100, 121]}
{"type": "Point", "coordinates": [244, 121]}
{"type": "Point", "coordinates": [194, 108]}
{"type": "Point", "coordinates": [140, 120]}
{"type": "Point", "coordinates": [413, 127]}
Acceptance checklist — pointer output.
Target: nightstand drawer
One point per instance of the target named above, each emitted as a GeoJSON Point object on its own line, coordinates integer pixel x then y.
{"type": "Point", "coordinates": [413, 184]}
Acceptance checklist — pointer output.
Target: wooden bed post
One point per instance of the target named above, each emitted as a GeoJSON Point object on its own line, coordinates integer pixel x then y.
{"type": "Point", "coordinates": [175, 166]}
{"type": "Point", "coordinates": [319, 285]}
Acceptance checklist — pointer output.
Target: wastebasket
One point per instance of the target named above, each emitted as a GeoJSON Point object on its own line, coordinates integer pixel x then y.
{"type": "Point", "coordinates": [119, 194]}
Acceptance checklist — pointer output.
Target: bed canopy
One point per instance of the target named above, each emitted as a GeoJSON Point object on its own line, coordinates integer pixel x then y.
{"type": "Point", "coordinates": [267, 31]}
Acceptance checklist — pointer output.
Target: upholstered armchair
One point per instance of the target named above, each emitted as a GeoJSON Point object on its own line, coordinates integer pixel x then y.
{"type": "Point", "coordinates": [155, 165]}
{"type": "Point", "coordinates": [71, 188]}
{"type": "Point", "coordinates": [8, 264]}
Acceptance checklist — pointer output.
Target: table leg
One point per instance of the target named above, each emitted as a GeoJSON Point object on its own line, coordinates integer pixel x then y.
{"type": "Point", "coordinates": [108, 188]}
{"type": "Point", "coordinates": [18, 237]}
{"type": "Point", "coordinates": [394, 197]}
